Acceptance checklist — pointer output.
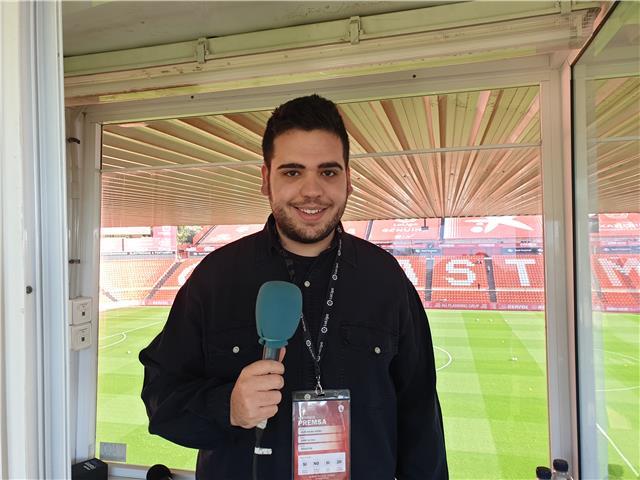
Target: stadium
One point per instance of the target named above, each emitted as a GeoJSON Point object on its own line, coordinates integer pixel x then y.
{"type": "Point", "coordinates": [491, 263]}
{"type": "Point", "coordinates": [494, 153]}
{"type": "Point", "coordinates": [480, 278]}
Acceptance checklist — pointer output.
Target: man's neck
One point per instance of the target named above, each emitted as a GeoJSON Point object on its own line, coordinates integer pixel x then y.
{"type": "Point", "coordinates": [305, 249]}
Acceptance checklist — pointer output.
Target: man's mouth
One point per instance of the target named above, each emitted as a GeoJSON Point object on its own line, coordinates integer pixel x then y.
{"type": "Point", "coordinates": [311, 211]}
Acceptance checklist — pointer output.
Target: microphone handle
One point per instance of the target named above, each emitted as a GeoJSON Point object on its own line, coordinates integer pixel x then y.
{"type": "Point", "coordinates": [268, 353]}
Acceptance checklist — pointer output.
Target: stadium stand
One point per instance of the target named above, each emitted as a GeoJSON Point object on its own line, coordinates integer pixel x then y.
{"type": "Point", "coordinates": [131, 279]}
{"type": "Point", "coordinates": [166, 292]}
{"type": "Point", "coordinates": [460, 282]}
{"type": "Point", "coordinates": [416, 269]}
{"type": "Point", "coordinates": [519, 281]}
{"type": "Point", "coordinates": [201, 234]}
{"type": "Point", "coordinates": [490, 280]}
{"type": "Point", "coordinates": [617, 279]}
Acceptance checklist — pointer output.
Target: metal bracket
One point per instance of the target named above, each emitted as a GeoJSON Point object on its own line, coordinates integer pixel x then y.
{"type": "Point", "coordinates": [565, 6]}
{"type": "Point", "coordinates": [202, 50]}
{"type": "Point", "coordinates": [355, 26]}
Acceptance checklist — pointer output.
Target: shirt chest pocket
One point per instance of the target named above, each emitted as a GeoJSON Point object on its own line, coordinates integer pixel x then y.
{"type": "Point", "coordinates": [367, 353]}
{"type": "Point", "coordinates": [229, 351]}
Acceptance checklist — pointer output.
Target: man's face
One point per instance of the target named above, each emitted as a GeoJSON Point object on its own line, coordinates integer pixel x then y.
{"type": "Point", "coordinates": [307, 184]}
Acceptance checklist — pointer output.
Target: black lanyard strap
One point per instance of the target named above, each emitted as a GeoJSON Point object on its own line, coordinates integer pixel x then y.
{"type": "Point", "coordinates": [316, 353]}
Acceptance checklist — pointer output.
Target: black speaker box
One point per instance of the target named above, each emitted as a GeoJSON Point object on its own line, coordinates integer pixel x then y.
{"type": "Point", "coordinates": [94, 469]}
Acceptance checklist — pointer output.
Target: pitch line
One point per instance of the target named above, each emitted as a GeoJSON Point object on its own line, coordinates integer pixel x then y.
{"type": "Point", "coordinates": [447, 354]}
{"type": "Point", "coordinates": [621, 389]}
{"type": "Point", "coordinates": [133, 329]}
{"type": "Point", "coordinates": [623, 355]}
{"type": "Point", "coordinates": [615, 447]}
{"type": "Point", "coordinates": [124, 337]}
{"type": "Point", "coordinates": [124, 334]}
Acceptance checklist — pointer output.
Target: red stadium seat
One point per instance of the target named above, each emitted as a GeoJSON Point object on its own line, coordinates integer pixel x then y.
{"type": "Point", "coordinates": [132, 279]}
{"type": "Point", "coordinates": [460, 279]}
{"type": "Point", "coordinates": [616, 281]}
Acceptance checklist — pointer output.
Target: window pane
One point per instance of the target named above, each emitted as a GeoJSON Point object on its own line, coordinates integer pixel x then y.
{"type": "Point", "coordinates": [607, 189]}
{"type": "Point", "coordinates": [481, 279]}
{"type": "Point", "coordinates": [461, 216]}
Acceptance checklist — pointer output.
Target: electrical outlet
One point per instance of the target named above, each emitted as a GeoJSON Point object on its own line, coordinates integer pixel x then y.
{"type": "Point", "coordinates": [80, 336]}
{"type": "Point", "coordinates": [81, 308]}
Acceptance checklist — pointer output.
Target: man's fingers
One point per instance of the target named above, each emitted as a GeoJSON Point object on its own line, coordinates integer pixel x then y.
{"type": "Point", "coordinates": [256, 394]}
{"type": "Point", "coordinates": [283, 352]}
{"type": "Point", "coordinates": [263, 383]}
{"type": "Point", "coordinates": [267, 399]}
{"type": "Point", "coordinates": [268, 412]}
{"type": "Point", "coordinates": [264, 367]}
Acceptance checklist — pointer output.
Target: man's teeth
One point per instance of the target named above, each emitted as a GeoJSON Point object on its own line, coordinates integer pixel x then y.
{"type": "Point", "coordinates": [311, 211]}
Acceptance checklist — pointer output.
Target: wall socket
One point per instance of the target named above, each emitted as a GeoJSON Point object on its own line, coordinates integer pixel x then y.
{"type": "Point", "coordinates": [81, 308]}
{"type": "Point", "coordinates": [80, 336]}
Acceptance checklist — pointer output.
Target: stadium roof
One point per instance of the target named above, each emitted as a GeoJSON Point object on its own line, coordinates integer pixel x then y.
{"type": "Point", "coordinates": [447, 155]}
{"type": "Point", "coordinates": [462, 154]}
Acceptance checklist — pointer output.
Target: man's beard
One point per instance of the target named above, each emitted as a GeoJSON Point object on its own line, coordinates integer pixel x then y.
{"type": "Point", "coordinates": [288, 227]}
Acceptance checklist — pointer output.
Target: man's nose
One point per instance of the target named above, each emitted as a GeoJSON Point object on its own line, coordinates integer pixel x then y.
{"type": "Point", "coordinates": [311, 186]}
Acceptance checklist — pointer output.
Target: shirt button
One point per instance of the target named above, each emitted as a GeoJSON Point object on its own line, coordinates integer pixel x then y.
{"type": "Point", "coordinates": [377, 350]}
{"type": "Point", "coordinates": [307, 283]}
{"type": "Point", "coordinates": [236, 349]}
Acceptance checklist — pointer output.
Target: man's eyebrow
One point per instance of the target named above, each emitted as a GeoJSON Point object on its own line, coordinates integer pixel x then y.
{"type": "Point", "coordinates": [291, 165]}
{"type": "Point", "coordinates": [302, 167]}
{"type": "Point", "coordinates": [331, 165]}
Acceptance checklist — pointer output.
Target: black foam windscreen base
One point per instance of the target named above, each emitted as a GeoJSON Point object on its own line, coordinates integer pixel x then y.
{"type": "Point", "coordinates": [159, 472]}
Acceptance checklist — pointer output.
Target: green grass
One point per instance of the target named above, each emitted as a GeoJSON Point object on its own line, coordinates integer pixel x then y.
{"type": "Point", "coordinates": [491, 381]}
{"type": "Point", "coordinates": [493, 393]}
{"type": "Point", "coordinates": [620, 391]}
{"type": "Point", "coordinates": [121, 415]}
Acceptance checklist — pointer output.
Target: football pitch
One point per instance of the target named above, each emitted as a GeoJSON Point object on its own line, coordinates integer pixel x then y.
{"type": "Point", "coordinates": [491, 382]}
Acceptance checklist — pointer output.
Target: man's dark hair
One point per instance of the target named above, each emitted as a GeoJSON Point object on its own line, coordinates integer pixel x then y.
{"type": "Point", "coordinates": [308, 113]}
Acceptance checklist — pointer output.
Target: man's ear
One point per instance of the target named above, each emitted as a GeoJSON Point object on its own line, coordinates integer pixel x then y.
{"type": "Point", "coordinates": [265, 181]}
{"type": "Point", "coordinates": [349, 186]}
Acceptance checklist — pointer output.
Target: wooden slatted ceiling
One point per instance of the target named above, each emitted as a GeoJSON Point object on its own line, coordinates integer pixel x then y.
{"type": "Point", "coordinates": [614, 150]}
{"type": "Point", "coordinates": [391, 179]}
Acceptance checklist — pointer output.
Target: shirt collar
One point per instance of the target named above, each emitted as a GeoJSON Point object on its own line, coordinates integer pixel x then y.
{"type": "Point", "coordinates": [272, 245]}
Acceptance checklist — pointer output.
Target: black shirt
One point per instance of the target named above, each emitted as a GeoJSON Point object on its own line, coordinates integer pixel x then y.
{"type": "Point", "coordinates": [378, 346]}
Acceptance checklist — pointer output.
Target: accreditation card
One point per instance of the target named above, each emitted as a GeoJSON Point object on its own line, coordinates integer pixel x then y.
{"type": "Point", "coordinates": [321, 435]}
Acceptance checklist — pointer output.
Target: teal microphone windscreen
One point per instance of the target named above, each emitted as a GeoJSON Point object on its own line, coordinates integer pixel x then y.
{"type": "Point", "coordinates": [278, 311]}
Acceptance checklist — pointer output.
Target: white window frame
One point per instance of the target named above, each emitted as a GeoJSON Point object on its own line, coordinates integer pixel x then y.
{"type": "Point", "coordinates": [591, 408]}
{"type": "Point", "coordinates": [33, 309]}
{"type": "Point", "coordinates": [556, 183]}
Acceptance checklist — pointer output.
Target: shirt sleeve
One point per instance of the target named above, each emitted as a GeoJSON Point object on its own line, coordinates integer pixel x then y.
{"type": "Point", "coordinates": [421, 448]}
{"type": "Point", "coordinates": [183, 405]}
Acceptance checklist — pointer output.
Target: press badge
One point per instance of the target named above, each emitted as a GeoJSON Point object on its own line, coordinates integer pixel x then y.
{"type": "Point", "coordinates": [321, 435]}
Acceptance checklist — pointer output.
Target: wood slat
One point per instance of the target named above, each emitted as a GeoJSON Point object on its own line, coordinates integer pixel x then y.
{"type": "Point", "coordinates": [404, 185]}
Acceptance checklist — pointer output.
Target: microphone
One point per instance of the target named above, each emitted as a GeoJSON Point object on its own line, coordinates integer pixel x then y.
{"type": "Point", "coordinates": [159, 472]}
{"type": "Point", "coordinates": [278, 311]}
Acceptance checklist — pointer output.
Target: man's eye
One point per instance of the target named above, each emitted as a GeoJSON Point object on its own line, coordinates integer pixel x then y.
{"type": "Point", "coordinates": [291, 173]}
{"type": "Point", "coordinates": [329, 173]}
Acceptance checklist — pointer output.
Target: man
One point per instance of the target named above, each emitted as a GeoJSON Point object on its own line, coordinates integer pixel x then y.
{"type": "Point", "coordinates": [205, 386]}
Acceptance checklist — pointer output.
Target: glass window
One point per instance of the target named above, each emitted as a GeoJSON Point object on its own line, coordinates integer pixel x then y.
{"type": "Point", "coordinates": [607, 222]}
{"type": "Point", "coordinates": [449, 184]}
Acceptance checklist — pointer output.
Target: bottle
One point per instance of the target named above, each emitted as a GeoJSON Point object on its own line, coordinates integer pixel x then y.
{"type": "Point", "coordinates": [543, 473]}
{"type": "Point", "coordinates": [561, 469]}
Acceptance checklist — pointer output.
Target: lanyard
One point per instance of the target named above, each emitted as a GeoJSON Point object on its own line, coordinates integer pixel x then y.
{"type": "Point", "coordinates": [316, 354]}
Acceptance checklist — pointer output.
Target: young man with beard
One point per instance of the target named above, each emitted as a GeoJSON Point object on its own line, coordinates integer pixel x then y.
{"type": "Point", "coordinates": [205, 385]}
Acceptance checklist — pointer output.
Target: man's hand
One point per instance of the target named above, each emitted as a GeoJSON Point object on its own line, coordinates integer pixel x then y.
{"type": "Point", "coordinates": [256, 394]}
